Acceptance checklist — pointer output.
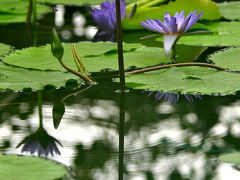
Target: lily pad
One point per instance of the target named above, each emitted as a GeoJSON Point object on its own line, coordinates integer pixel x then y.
{"type": "Point", "coordinates": [22, 168]}
{"type": "Point", "coordinates": [13, 11]}
{"type": "Point", "coordinates": [210, 9]}
{"type": "Point", "coordinates": [187, 80]}
{"type": "Point", "coordinates": [4, 49]}
{"type": "Point", "coordinates": [231, 158]}
{"type": "Point", "coordinates": [225, 34]}
{"type": "Point", "coordinates": [17, 78]}
{"type": "Point", "coordinates": [96, 56]}
{"type": "Point", "coordinates": [229, 58]}
{"type": "Point", "coordinates": [230, 10]}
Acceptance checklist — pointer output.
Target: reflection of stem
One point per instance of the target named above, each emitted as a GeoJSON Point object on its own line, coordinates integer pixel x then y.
{"type": "Point", "coordinates": [175, 65]}
{"type": "Point", "coordinates": [39, 100]}
{"type": "Point", "coordinates": [76, 92]}
{"type": "Point", "coordinates": [120, 46]}
{"type": "Point", "coordinates": [121, 135]}
{"type": "Point", "coordinates": [84, 77]}
{"type": "Point", "coordinates": [29, 12]}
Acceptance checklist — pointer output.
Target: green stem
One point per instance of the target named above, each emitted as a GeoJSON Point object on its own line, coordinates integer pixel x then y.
{"type": "Point", "coordinates": [120, 46]}
{"type": "Point", "coordinates": [29, 12]}
{"type": "Point", "coordinates": [40, 114]}
{"type": "Point", "coordinates": [174, 52]}
{"type": "Point", "coordinates": [84, 77]}
{"type": "Point", "coordinates": [34, 9]}
{"type": "Point", "coordinates": [175, 65]}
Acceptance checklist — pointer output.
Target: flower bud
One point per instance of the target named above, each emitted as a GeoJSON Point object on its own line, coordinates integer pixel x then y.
{"type": "Point", "coordinates": [56, 46]}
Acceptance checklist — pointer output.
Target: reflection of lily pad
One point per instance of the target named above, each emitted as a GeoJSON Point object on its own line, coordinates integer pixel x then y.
{"type": "Point", "coordinates": [16, 10]}
{"type": "Point", "coordinates": [225, 34]}
{"type": "Point", "coordinates": [231, 158]}
{"type": "Point", "coordinates": [229, 58]}
{"type": "Point", "coordinates": [18, 79]}
{"type": "Point", "coordinates": [96, 56]}
{"type": "Point", "coordinates": [29, 168]}
{"type": "Point", "coordinates": [230, 10]}
{"type": "Point", "coordinates": [205, 81]}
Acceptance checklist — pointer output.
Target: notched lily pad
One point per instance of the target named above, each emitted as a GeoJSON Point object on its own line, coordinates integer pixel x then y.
{"type": "Point", "coordinates": [229, 58]}
{"type": "Point", "coordinates": [176, 80]}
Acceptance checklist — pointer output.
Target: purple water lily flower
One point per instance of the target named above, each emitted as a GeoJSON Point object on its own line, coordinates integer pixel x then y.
{"type": "Point", "coordinates": [41, 143]}
{"type": "Point", "coordinates": [172, 27]}
{"type": "Point", "coordinates": [105, 17]}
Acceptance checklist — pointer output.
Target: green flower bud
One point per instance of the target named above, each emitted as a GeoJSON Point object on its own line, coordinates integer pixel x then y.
{"type": "Point", "coordinates": [56, 46]}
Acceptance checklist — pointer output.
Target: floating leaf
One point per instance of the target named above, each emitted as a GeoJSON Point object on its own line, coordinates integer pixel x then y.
{"type": "Point", "coordinates": [229, 58]}
{"type": "Point", "coordinates": [231, 158]}
{"type": "Point", "coordinates": [57, 113]}
{"type": "Point", "coordinates": [210, 9]}
{"type": "Point", "coordinates": [230, 10]}
{"type": "Point", "coordinates": [16, 11]}
{"type": "Point", "coordinates": [22, 168]}
{"type": "Point", "coordinates": [225, 34]}
{"type": "Point", "coordinates": [4, 49]}
{"type": "Point", "coordinates": [96, 56]}
{"type": "Point", "coordinates": [18, 78]}
{"type": "Point", "coordinates": [179, 80]}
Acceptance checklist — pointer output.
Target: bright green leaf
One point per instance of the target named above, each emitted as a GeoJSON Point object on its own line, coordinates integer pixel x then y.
{"type": "Point", "coordinates": [230, 10]}
{"type": "Point", "coordinates": [229, 58]}
{"type": "Point", "coordinates": [96, 56]}
{"type": "Point", "coordinates": [76, 2]}
{"type": "Point", "coordinates": [225, 34]}
{"type": "Point", "coordinates": [210, 9]}
{"type": "Point", "coordinates": [23, 168]}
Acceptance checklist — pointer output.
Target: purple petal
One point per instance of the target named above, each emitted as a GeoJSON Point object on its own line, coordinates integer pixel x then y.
{"type": "Point", "coordinates": [193, 20]}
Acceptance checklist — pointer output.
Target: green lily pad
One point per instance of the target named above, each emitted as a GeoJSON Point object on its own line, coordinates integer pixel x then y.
{"type": "Point", "coordinates": [231, 158]}
{"type": "Point", "coordinates": [4, 49]}
{"type": "Point", "coordinates": [18, 78]}
{"type": "Point", "coordinates": [210, 9]}
{"type": "Point", "coordinates": [76, 2]}
{"type": "Point", "coordinates": [180, 80]}
{"type": "Point", "coordinates": [22, 168]}
{"type": "Point", "coordinates": [225, 34]}
{"type": "Point", "coordinates": [230, 10]}
{"type": "Point", "coordinates": [229, 58]}
{"type": "Point", "coordinates": [96, 56]}
{"type": "Point", "coordinates": [13, 11]}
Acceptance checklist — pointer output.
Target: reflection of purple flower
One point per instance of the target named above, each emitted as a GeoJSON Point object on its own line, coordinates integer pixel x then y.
{"type": "Point", "coordinates": [40, 142]}
{"type": "Point", "coordinates": [172, 27]}
{"type": "Point", "coordinates": [105, 17]}
{"type": "Point", "coordinates": [172, 97]}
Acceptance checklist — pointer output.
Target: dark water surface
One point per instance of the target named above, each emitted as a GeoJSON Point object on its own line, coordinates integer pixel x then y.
{"type": "Point", "coordinates": [163, 141]}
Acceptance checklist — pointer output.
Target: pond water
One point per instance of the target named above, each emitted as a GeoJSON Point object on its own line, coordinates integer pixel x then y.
{"type": "Point", "coordinates": [163, 141]}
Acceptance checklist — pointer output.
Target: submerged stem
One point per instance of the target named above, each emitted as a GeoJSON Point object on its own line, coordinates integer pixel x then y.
{"type": "Point", "coordinates": [175, 65]}
{"type": "Point", "coordinates": [174, 52]}
{"type": "Point", "coordinates": [40, 114]}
